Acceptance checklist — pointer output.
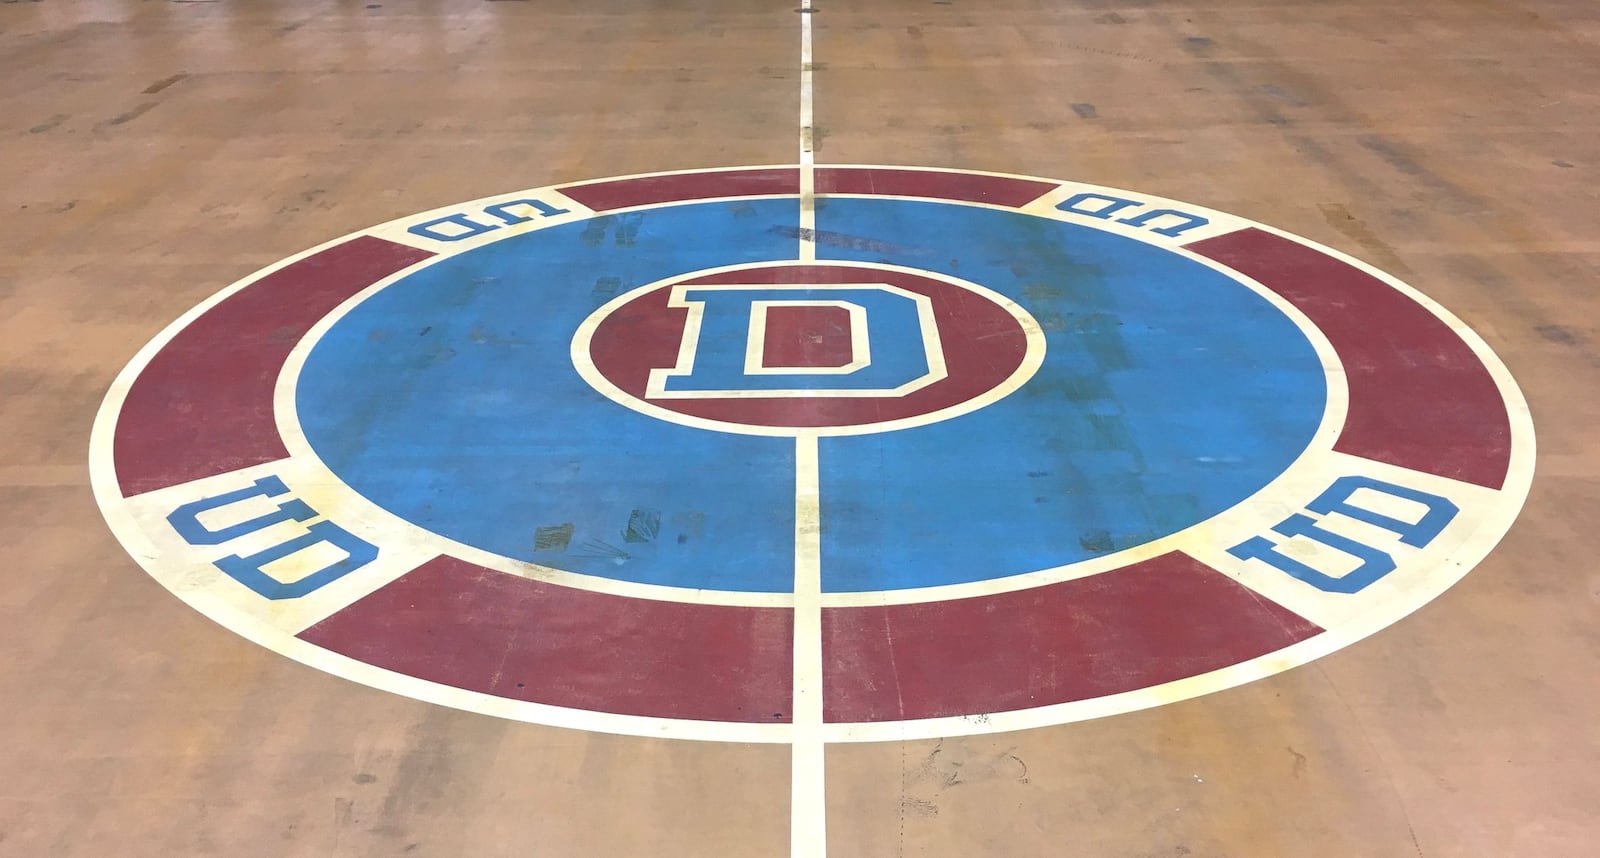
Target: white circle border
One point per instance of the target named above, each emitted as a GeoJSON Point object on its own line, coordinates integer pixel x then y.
{"type": "Point", "coordinates": [1467, 555]}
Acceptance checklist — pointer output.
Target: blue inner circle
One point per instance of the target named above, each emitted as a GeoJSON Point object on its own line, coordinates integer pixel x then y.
{"type": "Point", "coordinates": [1169, 393]}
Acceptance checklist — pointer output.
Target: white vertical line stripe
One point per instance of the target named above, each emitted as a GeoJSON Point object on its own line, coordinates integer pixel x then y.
{"type": "Point", "coordinates": [808, 837]}
{"type": "Point", "coordinates": [808, 210]}
{"type": "Point", "coordinates": [808, 812]}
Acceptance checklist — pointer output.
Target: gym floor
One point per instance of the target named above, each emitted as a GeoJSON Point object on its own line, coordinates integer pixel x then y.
{"type": "Point", "coordinates": [155, 152]}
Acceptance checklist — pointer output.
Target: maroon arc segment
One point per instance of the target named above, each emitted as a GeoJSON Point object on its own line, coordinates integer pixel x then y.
{"type": "Point", "coordinates": [1419, 396]}
{"type": "Point", "coordinates": [649, 190]}
{"type": "Point", "coordinates": [807, 337]}
{"type": "Point", "coordinates": [876, 181]}
{"type": "Point", "coordinates": [458, 624]}
{"type": "Point", "coordinates": [203, 405]}
{"type": "Point", "coordinates": [965, 187]}
{"type": "Point", "coordinates": [1157, 621]}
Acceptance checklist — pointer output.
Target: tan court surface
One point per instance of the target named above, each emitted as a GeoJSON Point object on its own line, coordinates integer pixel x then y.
{"type": "Point", "coordinates": [153, 152]}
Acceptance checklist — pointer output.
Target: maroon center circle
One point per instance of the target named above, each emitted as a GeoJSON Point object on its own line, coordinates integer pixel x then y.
{"type": "Point", "coordinates": [983, 345]}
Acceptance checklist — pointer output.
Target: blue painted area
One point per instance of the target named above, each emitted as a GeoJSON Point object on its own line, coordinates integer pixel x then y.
{"type": "Point", "coordinates": [894, 334]}
{"type": "Point", "coordinates": [449, 399]}
{"type": "Point", "coordinates": [1169, 393]}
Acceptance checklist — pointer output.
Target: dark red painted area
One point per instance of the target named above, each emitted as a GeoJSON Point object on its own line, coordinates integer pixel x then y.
{"type": "Point", "coordinates": [203, 406]}
{"type": "Point", "coordinates": [473, 628]}
{"type": "Point", "coordinates": [646, 190]}
{"type": "Point", "coordinates": [1165, 619]}
{"type": "Point", "coordinates": [967, 187]}
{"type": "Point", "coordinates": [1419, 397]}
{"type": "Point", "coordinates": [807, 337]}
{"type": "Point", "coordinates": [983, 345]}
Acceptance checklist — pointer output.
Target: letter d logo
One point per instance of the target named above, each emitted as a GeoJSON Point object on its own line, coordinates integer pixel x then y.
{"type": "Point", "coordinates": [837, 339]}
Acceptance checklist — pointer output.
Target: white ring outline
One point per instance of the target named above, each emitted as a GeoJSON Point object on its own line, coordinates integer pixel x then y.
{"type": "Point", "coordinates": [1466, 556]}
{"type": "Point", "coordinates": [1032, 359]}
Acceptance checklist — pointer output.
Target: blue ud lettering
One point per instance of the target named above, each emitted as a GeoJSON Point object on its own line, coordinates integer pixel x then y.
{"type": "Point", "coordinates": [461, 225]}
{"type": "Point", "coordinates": [1375, 563]}
{"type": "Point", "coordinates": [1102, 206]}
{"type": "Point", "coordinates": [249, 570]}
{"type": "Point", "coordinates": [894, 338]}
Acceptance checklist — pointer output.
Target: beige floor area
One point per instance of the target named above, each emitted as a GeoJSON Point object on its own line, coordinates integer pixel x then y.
{"type": "Point", "coordinates": [153, 152]}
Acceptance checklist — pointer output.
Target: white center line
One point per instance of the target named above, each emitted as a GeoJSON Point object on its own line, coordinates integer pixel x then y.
{"type": "Point", "coordinates": [808, 835]}
{"type": "Point", "coordinates": [808, 810]}
{"type": "Point", "coordinates": [808, 209]}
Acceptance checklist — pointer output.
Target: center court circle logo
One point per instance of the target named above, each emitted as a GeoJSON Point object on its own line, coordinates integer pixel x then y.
{"type": "Point", "coordinates": [908, 453]}
{"type": "Point", "coordinates": [808, 348]}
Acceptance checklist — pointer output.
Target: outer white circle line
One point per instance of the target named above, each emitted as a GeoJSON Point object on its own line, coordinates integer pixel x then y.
{"type": "Point", "coordinates": [1470, 551]}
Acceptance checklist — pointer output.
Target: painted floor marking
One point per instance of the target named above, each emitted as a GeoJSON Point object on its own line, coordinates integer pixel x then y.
{"type": "Point", "coordinates": [1451, 381]}
{"type": "Point", "coordinates": [1326, 609]}
{"type": "Point", "coordinates": [807, 831]}
{"type": "Point", "coordinates": [1487, 498]}
{"type": "Point", "coordinates": [808, 185]}
{"type": "Point", "coordinates": [808, 836]}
